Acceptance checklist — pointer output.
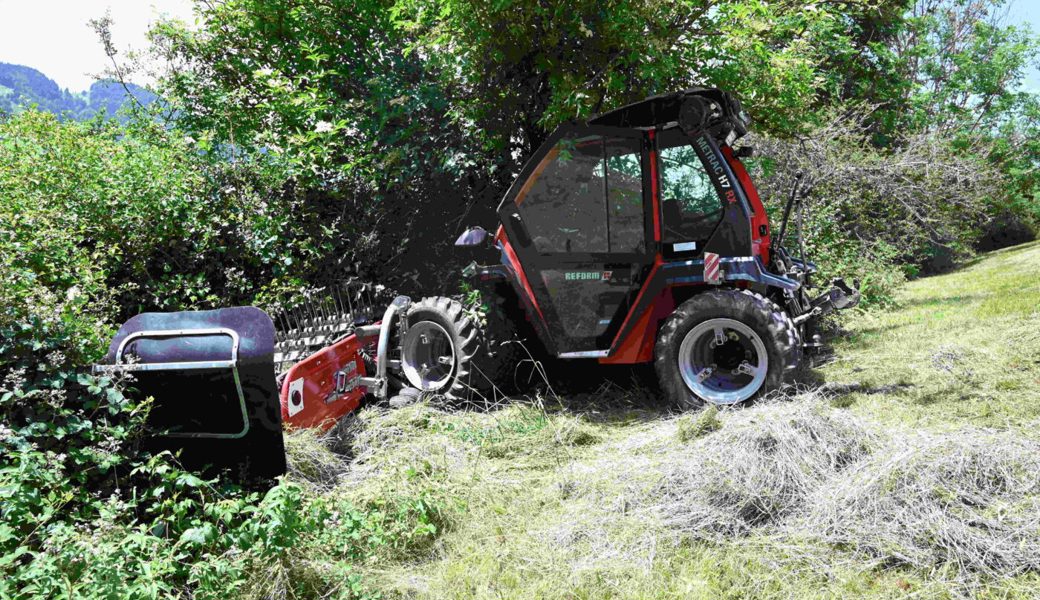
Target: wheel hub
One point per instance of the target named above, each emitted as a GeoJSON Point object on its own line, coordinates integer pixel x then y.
{"type": "Point", "coordinates": [428, 356]}
{"type": "Point", "coordinates": [723, 361]}
{"type": "Point", "coordinates": [730, 354]}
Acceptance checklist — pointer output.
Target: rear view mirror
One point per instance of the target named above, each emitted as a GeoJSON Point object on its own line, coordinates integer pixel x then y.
{"type": "Point", "coordinates": [474, 236]}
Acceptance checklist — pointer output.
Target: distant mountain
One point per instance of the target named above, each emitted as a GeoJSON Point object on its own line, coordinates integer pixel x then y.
{"type": "Point", "coordinates": [21, 87]}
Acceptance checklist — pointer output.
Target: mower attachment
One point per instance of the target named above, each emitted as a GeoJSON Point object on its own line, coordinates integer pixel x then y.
{"type": "Point", "coordinates": [211, 375]}
{"type": "Point", "coordinates": [839, 297]}
{"type": "Point", "coordinates": [329, 384]}
{"type": "Point", "coordinates": [325, 386]}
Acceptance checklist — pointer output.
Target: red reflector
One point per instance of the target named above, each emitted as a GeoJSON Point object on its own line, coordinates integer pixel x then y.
{"type": "Point", "coordinates": [712, 272]}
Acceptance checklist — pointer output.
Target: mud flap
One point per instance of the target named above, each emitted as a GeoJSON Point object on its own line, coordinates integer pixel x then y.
{"type": "Point", "coordinates": [211, 374]}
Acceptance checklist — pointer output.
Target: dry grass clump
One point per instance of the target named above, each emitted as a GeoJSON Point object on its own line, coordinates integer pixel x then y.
{"type": "Point", "coordinates": [585, 542]}
{"type": "Point", "coordinates": [383, 439]}
{"type": "Point", "coordinates": [970, 498]}
{"type": "Point", "coordinates": [569, 431]}
{"type": "Point", "coordinates": [311, 460]}
{"type": "Point", "coordinates": [762, 466]}
{"type": "Point", "coordinates": [370, 440]}
{"type": "Point", "coordinates": [547, 435]}
{"type": "Point", "coordinates": [375, 430]}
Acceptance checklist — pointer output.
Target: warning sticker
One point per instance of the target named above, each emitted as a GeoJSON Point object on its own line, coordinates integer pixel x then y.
{"type": "Point", "coordinates": [295, 401]}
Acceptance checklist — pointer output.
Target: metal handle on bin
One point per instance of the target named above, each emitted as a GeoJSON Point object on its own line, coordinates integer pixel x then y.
{"type": "Point", "coordinates": [232, 364]}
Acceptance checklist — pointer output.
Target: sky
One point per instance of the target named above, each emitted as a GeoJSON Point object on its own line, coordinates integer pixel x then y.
{"type": "Point", "coordinates": [52, 36]}
{"type": "Point", "coordinates": [1021, 12]}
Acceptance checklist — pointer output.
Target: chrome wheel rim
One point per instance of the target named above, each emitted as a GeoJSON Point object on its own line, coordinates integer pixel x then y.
{"type": "Point", "coordinates": [428, 356]}
{"type": "Point", "coordinates": [723, 361]}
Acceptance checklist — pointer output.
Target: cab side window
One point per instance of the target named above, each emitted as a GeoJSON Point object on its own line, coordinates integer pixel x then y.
{"type": "Point", "coordinates": [586, 197]}
{"type": "Point", "coordinates": [624, 167]}
{"type": "Point", "coordinates": [563, 207]}
{"type": "Point", "coordinates": [690, 204]}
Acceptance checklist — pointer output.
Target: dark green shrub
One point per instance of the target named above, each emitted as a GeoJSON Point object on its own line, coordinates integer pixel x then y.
{"type": "Point", "coordinates": [98, 222]}
{"type": "Point", "coordinates": [875, 214]}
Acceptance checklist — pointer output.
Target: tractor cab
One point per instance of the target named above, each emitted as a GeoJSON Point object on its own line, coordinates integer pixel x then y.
{"type": "Point", "coordinates": [605, 205]}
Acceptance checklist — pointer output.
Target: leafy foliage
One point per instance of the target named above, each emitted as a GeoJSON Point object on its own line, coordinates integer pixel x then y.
{"type": "Point", "coordinates": [358, 125]}
{"type": "Point", "coordinates": [97, 222]}
{"type": "Point", "coordinates": [878, 215]}
{"type": "Point", "coordinates": [91, 212]}
{"type": "Point", "coordinates": [521, 68]}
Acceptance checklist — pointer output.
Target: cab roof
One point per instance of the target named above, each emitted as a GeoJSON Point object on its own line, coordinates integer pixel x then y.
{"type": "Point", "coordinates": [665, 111]}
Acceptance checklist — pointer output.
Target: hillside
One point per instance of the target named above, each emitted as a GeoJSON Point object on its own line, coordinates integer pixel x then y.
{"type": "Point", "coordinates": [909, 469]}
{"type": "Point", "coordinates": [21, 87]}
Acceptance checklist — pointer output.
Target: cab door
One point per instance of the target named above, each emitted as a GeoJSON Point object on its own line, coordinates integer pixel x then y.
{"type": "Point", "coordinates": [578, 218]}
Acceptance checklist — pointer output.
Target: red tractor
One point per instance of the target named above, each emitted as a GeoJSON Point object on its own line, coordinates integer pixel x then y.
{"type": "Point", "coordinates": [634, 237]}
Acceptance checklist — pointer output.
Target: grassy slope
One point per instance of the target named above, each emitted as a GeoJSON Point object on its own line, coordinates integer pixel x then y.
{"type": "Point", "coordinates": [962, 348]}
{"type": "Point", "coordinates": [545, 499]}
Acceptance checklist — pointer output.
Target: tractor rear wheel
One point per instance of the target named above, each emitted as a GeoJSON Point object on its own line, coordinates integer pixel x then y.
{"type": "Point", "coordinates": [445, 351]}
{"type": "Point", "coordinates": [506, 343]}
{"type": "Point", "coordinates": [723, 347]}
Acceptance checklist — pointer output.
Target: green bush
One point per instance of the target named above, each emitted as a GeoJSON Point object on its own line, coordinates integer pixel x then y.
{"type": "Point", "coordinates": [98, 222]}
{"type": "Point", "coordinates": [878, 215]}
{"type": "Point", "coordinates": [136, 218]}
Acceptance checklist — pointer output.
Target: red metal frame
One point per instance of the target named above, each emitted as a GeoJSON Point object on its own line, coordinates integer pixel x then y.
{"type": "Point", "coordinates": [315, 378]}
{"type": "Point", "coordinates": [507, 248]}
{"type": "Point", "coordinates": [760, 219]}
{"type": "Point", "coordinates": [638, 346]}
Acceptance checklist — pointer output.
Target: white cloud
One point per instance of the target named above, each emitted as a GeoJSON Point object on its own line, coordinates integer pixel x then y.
{"type": "Point", "coordinates": [53, 36]}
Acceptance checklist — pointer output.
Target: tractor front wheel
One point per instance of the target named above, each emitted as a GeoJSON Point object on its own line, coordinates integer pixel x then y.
{"type": "Point", "coordinates": [723, 347]}
{"type": "Point", "coordinates": [437, 347]}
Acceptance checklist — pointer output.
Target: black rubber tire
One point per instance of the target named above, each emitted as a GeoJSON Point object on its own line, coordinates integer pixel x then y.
{"type": "Point", "coordinates": [504, 344]}
{"type": "Point", "coordinates": [461, 329]}
{"type": "Point", "coordinates": [776, 329]}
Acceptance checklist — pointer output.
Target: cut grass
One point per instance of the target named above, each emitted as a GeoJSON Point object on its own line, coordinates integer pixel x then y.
{"type": "Point", "coordinates": [962, 348]}
{"type": "Point", "coordinates": [698, 424]}
{"type": "Point", "coordinates": [618, 502]}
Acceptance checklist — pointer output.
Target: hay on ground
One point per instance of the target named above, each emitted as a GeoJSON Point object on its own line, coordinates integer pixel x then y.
{"type": "Point", "coordinates": [969, 498]}
{"type": "Point", "coordinates": [311, 460]}
{"type": "Point", "coordinates": [761, 466]}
